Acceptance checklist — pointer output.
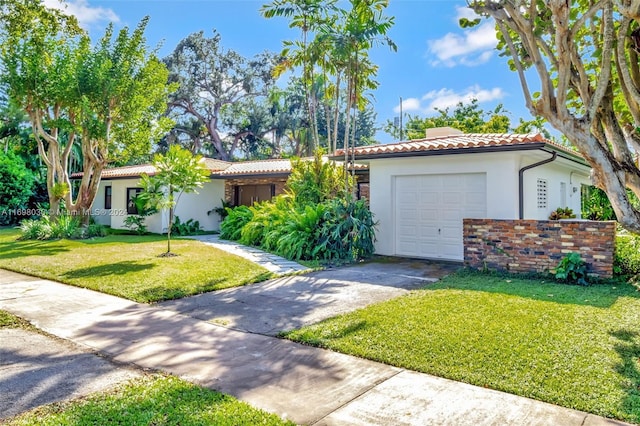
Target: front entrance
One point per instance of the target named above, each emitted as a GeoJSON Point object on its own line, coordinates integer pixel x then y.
{"type": "Point", "coordinates": [246, 195]}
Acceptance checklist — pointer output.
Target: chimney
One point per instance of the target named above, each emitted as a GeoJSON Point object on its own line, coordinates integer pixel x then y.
{"type": "Point", "coordinates": [439, 132]}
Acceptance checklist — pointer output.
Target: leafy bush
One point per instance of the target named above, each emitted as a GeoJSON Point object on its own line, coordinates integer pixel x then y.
{"type": "Point", "coordinates": [562, 213]}
{"type": "Point", "coordinates": [348, 231]}
{"type": "Point", "coordinates": [315, 219]}
{"type": "Point", "coordinates": [189, 227]}
{"type": "Point", "coordinates": [626, 259]}
{"type": "Point", "coordinates": [136, 224]}
{"type": "Point", "coordinates": [572, 268]}
{"type": "Point", "coordinates": [64, 226]}
{"type": "Point", "coordinates": [231, 227]}
{"type": "Point", "coordinates": [313, 182]}
{"type": "Point", "coordinates": [35, 229]}
{"type": "Point", "coordinates": [298, 234]}
{"type": "Point", "coordinates": [94, 230]}
{"type": "Point", "coordinates": [16, 186]}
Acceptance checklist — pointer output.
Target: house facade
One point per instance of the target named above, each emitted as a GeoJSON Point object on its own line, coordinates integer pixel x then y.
{"type": "Point", "coordinates": [421, 190]}
{"type": "Point", "coordinates": [240, 183]}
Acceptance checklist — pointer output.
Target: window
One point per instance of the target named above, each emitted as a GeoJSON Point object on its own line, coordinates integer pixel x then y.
{"type": "Point", "coordinates": [563, 194]}
{"type": "Point", "coordinates": [107, 197]}
{"type": "Point", "coordinates": [132, 193]}
{"type": "Point", "coordinates": [542, 193]}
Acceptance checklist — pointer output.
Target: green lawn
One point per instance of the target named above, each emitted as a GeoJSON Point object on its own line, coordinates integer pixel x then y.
{"type": "Point", "coordinates": [8, 320]}
{"type": "Point", "coordinates": [129, 266]}
{"type": "Point", "coordinates": [152, 400]}
{"type": "Point", "coordinates": [578, 347]}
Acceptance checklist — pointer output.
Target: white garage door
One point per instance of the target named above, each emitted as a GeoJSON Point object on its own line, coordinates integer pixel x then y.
{"type": "Point", "coordinates": [429, 210]}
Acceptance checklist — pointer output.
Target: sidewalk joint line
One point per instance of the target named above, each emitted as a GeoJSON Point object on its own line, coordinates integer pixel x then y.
{"type": "Point", "coordinates": [358, 395]}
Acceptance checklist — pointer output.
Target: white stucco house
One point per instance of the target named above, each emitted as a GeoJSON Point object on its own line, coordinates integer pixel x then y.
{"type": "Point", "coordinates": [420, 190]}
{"type": "Point", "coordinates": [238, 183]}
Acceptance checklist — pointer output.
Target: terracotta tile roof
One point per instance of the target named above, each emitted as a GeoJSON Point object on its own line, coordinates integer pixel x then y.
{"type": "Point", "coordinates": [276, 166]}
{"type": "Point", "coordinates": [126, 171]}
{"type": "Point", "coordinates": [134, 171]}
{"type": "Point", "coordinates": [218, 168]}
{"type": "Point", "coordinates": [455, 143]}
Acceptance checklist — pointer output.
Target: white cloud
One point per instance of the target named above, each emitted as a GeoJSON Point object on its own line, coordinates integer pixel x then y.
{"type": "Point", "coordinates": [470, 47]}
{"type": "Point", "coordinates": [465, 12]}
{"type": "Point", "coordinates": [409, 105]}
{"type": "Point", "coordinates": [448, 98]}
{"type": "Point", "coordinates": [85, 14]}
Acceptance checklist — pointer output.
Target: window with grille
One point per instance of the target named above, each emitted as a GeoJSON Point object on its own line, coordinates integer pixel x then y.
{"type": "Point", "coordinates": [542, 193]}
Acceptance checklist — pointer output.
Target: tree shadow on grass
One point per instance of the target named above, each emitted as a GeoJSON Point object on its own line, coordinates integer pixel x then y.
{"type": "Point", "coordinates": [118, 268]}
{"type": "Point", "coordinates": [628, 347]}
{"type": "Point", "coordinates": [599, 295]}
{"type": "Point", "coordinates": [16, 249]}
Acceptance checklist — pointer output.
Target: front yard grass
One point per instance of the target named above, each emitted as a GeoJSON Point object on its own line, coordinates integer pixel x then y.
{"type": "Point", "coordinates": [578, 347]}
{"type": "Point", "coordinates": [128, 266]}
{"type": "Point", "coordinates": [8, 320]}
{"type": "Point", "coordinates": [152, 400]}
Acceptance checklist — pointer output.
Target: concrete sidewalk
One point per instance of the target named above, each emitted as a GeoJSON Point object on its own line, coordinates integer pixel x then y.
{"type": "Point", "coordinates": [301, 383]}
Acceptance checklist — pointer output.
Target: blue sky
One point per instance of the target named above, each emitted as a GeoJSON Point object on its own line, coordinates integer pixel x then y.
{"type": "Point", "coordinates": [437, 64]}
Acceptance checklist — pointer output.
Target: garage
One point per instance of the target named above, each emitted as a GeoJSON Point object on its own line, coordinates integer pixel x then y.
{"type": "Point", "coordinates": [429, 210]}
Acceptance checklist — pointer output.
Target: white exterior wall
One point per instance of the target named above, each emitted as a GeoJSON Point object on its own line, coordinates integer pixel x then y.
{"type": "Point", "coordinates": [501, 170]}
{"type": "Point", "coordinates": [502, 183]}
{"type": "Point", "coordinates": [99, 214]}
{"type": "Point", "coordinates": [195, 206]}
{"type": "Point", "coordinates": [119, 206]}
{"type": "Point", "coordinates": [190, 206]}
{"type": "Point", "coordinates": [564, 180]}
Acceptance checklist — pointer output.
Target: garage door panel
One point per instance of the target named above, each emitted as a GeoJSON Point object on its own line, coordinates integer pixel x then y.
{"type": "Point", "coordinates": [429, 212]}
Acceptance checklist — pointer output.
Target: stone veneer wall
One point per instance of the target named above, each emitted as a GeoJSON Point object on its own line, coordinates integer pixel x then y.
{"type": "Point", "coordinates": [230, 183]}
{"type": "Point", "coordinates": [538, 245]}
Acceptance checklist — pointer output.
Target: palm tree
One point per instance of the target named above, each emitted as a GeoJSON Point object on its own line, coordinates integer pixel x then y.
{"type": "Point", "coordinates": [306, 15]}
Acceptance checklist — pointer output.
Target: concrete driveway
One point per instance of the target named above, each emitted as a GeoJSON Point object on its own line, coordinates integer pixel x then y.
{"type": "Point", "coordinates": [291, 302]}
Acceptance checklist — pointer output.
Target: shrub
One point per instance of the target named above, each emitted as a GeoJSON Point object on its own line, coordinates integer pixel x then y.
{"type": "Point", "coordinates": [65, 226]}
{"type": "Point", "coordinates": [16, 186]}
{"type": "Point", "coordinates": [34, 229]}
{"type": "Point", "coordinates": [231, 226]}
{"type": "Point", "coordinates": [299, 232]}
{"type": "Point", "coordinates": [313, 182]}
{"type": "Point", "coordinates": [626, 259]}
{"type": "Point", "coordinates": [136, 224]}
{"type": "Point", "coordinates": [94, 230]}
{"type": "Point", "coordinates": [348, 231]}
{"type": "Point", "coordinates": [189, 227]}
{"type": "Point", "coordinates": [562, 213]}
{"type": "Point", "coordinates": [572, 268]}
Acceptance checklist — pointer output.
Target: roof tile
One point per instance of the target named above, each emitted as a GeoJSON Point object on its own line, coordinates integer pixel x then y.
{"type": "Point", "coordinates": [455, 142]}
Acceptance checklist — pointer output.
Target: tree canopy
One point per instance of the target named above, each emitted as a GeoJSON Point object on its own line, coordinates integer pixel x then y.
{"type": "Point", "coordinates": [579, 69]}
{"type": "Point", "coordinates": [105, 98]}
{"type": "Point", "coordinates": [213, 84]}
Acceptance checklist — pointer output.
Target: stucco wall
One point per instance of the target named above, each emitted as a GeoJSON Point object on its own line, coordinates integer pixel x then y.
{"type": "Point", "coordinates": [538, 246]}
{"type": "Point", "coordinates": [556, 174]}
{"type": "Point", "coordinates": [101, 215]}
{"type": "Point", "coordinates": [195, 206]}
{"type": "Point", "coordinates": [502, 182]}
{"type": "Point", "coordinates": [501, 171]}
{"type": "Point", "coordinates": [190, 206]}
